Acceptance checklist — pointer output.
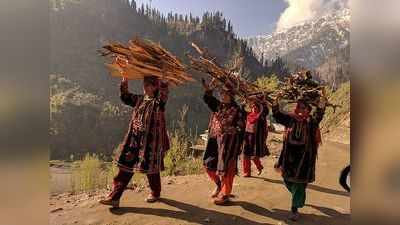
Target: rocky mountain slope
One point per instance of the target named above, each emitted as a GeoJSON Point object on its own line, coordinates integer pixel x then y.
{"type": "Point", "coordinates": [321, 44]}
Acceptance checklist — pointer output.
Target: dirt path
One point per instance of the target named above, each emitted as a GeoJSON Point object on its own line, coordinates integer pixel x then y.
{"type": "Point", "coordinates": [258, 200]}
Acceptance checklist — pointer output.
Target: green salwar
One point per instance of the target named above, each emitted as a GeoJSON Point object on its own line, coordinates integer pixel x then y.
{"type": "Point", "coordinates": [298, 191]}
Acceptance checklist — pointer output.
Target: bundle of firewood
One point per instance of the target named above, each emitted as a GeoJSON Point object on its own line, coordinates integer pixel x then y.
{"type": "Point", "coordinates": [141, 58]}
{"type": "Point", "coordinates": [222, 77]}
{"type": "Point", "coordinates": [301, 86]}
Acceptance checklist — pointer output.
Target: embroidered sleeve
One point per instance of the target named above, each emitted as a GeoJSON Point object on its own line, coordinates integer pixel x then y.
{"type": "Point", "coordinates": [126, 97]}
{"type": "Point", "coordinates": [211, 101]}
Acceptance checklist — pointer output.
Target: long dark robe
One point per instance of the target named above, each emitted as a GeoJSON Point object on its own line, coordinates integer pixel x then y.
{"type": "Point", "coordinates": [224, 142]}
{"type": "Point", "coordinates": [255, 144]}
{"type": "Point", "coordinates": [146, 141]}
{"type": "Point", "coordinates": [298, 160]}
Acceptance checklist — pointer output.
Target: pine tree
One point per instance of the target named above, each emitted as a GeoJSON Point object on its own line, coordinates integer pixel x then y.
{"type": "Point", "coordinates": [133, 4]}
{"type": "Point", "coordinates": [262, 59]}
{"type": "Point", "coordinates": [142, 9]}
{"type": "Point", "coordinates": [148, 10]}
{"type": "Point", "coordinates": [190, 18]}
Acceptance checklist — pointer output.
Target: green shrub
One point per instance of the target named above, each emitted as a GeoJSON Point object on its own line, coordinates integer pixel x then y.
{"type": "Point", "coordinates": [267, 83]}
{"type": "Point", "coordinates": [91, 173]}
{"type": "Point", "coordinates": [179, 160]}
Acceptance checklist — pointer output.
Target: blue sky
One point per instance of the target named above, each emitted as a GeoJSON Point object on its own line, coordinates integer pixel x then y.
{"type": "Point", "coordinates": [249, 17]}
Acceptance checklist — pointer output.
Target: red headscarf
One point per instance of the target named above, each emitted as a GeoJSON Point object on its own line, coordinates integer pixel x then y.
{"type": "Point", "coordinates": [252, 117]}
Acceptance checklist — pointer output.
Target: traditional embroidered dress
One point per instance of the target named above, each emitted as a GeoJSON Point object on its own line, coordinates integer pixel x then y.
{"type": "Point", "coordinates": [298, 156]}
{"type": "Point", "coordinates": [146, 141]}
{"type": "Point", "coordinates": [255, 137]}
{"type": "Point", "coordinates": [225, 139]}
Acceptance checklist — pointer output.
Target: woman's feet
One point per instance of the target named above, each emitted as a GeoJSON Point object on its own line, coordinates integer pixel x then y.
{"type": "Point", "coordinates": [222, 200]}
{"type": "Point", "coordinates": [295, 215]}
{"type": "Point", "coordinates": [109, 201]}
{"type": "Point", "coordinates": [216, 191]}
{"type": "Point", "coordinates": [260, 171]}
{"type": "Point", "coordinates": [151, 198]}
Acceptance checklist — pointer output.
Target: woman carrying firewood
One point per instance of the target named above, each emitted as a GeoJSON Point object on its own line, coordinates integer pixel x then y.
{"type": "Point", "coordinates": [298, 156]}
{"type": "Point", "coordinates": [225, 138]}
{"type": "Point", "coordinates": [255, 146]}
{"type": "Point", "coordinates": [146, 141]}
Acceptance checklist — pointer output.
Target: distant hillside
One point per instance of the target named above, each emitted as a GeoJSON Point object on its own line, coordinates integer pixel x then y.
{"type": "Point", "coordinates": [82, 122]}
{"type": "Point", "coordinates": [79, 28]}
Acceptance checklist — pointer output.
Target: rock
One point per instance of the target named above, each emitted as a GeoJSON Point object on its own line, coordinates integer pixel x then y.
{"type": "Point", "coordinates": [56, 210]}
{"type": "Point", "coordinates": [207, 220]}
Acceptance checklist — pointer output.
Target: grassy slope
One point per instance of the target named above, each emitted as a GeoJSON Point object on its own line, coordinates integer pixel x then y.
{"type": "Point", "coordinates": [336, 125]}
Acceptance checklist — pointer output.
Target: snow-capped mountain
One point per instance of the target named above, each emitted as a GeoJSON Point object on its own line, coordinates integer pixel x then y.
{"type": "Point", "coordinates": [310, 44]}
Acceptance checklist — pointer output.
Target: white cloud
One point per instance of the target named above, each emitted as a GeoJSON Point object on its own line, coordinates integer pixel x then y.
{"type": "Point", "coordinates": [302, 10]}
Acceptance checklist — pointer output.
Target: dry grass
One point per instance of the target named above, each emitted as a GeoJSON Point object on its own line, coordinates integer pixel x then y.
{"type": "Point", "coordinates": [91, 173]}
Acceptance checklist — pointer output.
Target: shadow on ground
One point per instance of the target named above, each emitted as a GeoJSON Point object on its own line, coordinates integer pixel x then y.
{"type": "Point", "coordinates": [309, 186]}
{"type": "Point", "coordinates": [332, 217]}
{"type": "Point", "coordinates": [189, 213]}
{"type": "Point", "coordinates": [195, 214]}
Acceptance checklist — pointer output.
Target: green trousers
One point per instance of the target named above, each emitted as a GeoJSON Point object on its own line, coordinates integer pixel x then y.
{"type": "Point", "coordinates": [298, 191]}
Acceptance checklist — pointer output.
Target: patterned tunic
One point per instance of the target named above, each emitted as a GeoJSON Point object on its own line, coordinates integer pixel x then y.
{"type": "Point", "coordinates": [146, 141]}
{"type": "Point", "coordinates": [300, 145]}
{"type": "Point", "coordinates": [225, 134]}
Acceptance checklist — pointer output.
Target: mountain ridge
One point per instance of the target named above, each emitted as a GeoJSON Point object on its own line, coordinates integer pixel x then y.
{"type": "Point", "coordinates": [310, 45]}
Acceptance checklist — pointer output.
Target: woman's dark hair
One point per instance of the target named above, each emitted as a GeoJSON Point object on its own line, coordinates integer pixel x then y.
{"type": "Point", "coordinates": [153, 80]}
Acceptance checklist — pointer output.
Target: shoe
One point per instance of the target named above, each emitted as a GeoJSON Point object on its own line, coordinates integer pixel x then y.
{"type": "Point", "coordinates": [151, 198]}
{"type": "Point", "coordinates": [221, 200]}
{"type": "Point", "coordinates": [109, 201]}
{"type": "Point", "coordinates": [260, 171]}
{"type": "Point", "coordinates": [294, 216]}
{"type": "Point", "coordinates": [216, 191]}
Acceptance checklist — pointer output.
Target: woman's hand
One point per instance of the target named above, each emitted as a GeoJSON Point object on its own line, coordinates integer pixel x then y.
{"type": "Point", "coordinates": [206, 86]}
{"type": "Point", "coordinates": [124, 85]}
{"type": "Point", "coordinates": [322, 102]}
